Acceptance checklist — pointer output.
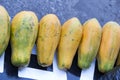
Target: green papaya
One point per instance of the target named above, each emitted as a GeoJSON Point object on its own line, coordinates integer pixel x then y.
{"type": "Point", "coordinates": [24, 31]}
{"type": "Point", "coordinates": [90, 43]}
{"type": "Point", "coordinates": [4, 29]}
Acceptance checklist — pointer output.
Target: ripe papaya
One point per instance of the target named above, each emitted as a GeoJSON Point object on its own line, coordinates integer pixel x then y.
{"type": "Point", "coordinates": [109, 47]}
{"type": "Point", "coordinates": [4, 29]}
{"type": "Point", "coordinates": [24, 30]}
{"type": "Point", "coordinates": [90, 43]}
{"type": "Point", "coordinates": [48, 38]}
{"type": "Point", "coordinates": [71, 34]}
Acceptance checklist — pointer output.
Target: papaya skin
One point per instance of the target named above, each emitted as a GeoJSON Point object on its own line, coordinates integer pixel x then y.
{"type": "Point", "coordinates": [109, 47]}
{"type": "Point", "coordinates": [4, 29]}
{"type": "Point", "coordinates": [71, 34]}
{"type": "Point", "coordinates": [118, 59]}
{"type": "Point", "coordinates": [48, 38]}
{"type": "Point", "coordinates": [90, 43]}
{"type": "Point", "coordinates": [24, 31]}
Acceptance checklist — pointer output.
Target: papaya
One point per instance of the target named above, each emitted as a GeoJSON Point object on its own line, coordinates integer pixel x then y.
{"type": "Point", "coordinates": [71, 34]}
{"type": "Point", "coordinates": [4, 29]}
{"type": "Point", "coordinates": [24, 29]}
{"type": "Point", "coordinates": [109, 46]}
{"type": "Point", "coordinates": [48, 38]}
{"type": "Point", "coordinates": [90, 42]}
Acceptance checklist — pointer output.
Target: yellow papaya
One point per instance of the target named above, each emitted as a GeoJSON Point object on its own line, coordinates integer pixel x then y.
{"type": "Point", "coordinates": [109, 47]}
{"type": "Point", "coordinates": [90, 43]}
{"type": "Point", "coordinates": [24, 30]}
{"type": "Point", "coordinates": [71, 34]}
{"type": "Point", "coordinates": [48, 38]}
{"type": "Point", "coordinates": [4, 29]}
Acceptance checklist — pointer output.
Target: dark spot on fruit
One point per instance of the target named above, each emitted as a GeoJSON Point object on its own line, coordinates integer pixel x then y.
{"type": "Point", "coordinates": [23, 23]}
{"type": "Point", "coordinates": [42, 39]}
{"type": "Point", "coordinates": [71, 31]}
{"type": "Point", "coordinates": [27, 27]}
{"type": "Point", "coordinates": [32, 24]}
{"type": "Point", "coordinates": [72, 39]}
{"type": "Point", "coordinates": [31, 27]}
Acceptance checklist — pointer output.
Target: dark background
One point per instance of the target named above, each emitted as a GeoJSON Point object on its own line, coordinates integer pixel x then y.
{"type": "Point", "coordinates": [103, 10]}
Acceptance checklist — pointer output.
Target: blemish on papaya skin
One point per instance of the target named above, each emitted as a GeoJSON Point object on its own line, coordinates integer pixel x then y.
{"type": "Point", "coordinates": [70, 32]}
{"type": "Point", "coordinates": [72, 39]}
{"type": "Point", "coordinates": [32, 24]}
{"type": "Point", "coordinates": [27, 28]}
{"type": "Point", "coordinates": [23, 23]}
{"type": "Point", "coordinates": [42, 39]}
